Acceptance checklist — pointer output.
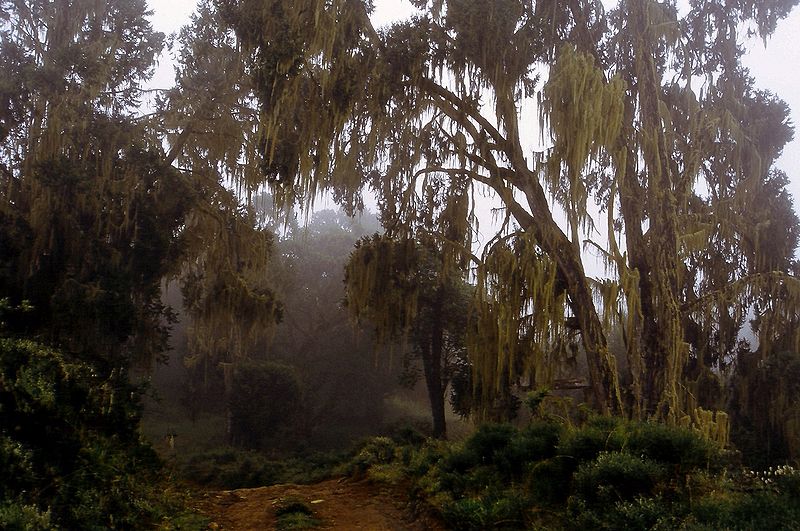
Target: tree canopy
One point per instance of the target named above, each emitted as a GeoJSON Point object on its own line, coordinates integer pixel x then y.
{"type": "Point", "coordinates": [643, 109]}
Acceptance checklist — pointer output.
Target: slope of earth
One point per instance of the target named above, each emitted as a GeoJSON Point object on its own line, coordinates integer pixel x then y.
{"type": "Point", "coordinates": [337, 503]}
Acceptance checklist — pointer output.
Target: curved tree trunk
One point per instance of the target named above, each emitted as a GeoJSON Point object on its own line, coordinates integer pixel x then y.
{"type": "Point", "coordinates": [602, 366]}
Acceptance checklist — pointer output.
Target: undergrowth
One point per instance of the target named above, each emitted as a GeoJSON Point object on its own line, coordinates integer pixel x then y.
{"type": "Point", "coordinates": [607, 473]}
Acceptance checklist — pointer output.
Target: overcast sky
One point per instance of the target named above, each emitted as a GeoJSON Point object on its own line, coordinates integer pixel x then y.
{"type": "Point", "coordinates": [776, 68]}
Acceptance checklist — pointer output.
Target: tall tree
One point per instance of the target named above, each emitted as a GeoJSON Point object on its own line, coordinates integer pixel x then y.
{"type": "Point", "coordinates": [403, 290]}
{"type": "Point", "coordinates": [94, 213]}
{"type": "Point", "coordinates": [344, 389]}
{"type": "Point", "coordinates": [210, 121]}
{"type": "Point", "coordinates": [90, 212]}
{"type": "Point", "coordinates": [434, 109]}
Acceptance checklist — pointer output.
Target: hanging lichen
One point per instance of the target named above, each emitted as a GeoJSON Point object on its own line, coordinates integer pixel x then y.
{"type": "Point", "coordinates": [429, 113]}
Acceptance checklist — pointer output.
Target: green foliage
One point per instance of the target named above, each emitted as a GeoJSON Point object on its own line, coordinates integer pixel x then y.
{"type": "Point", "coordinates": [550, 480]}
{"type": "Point", "coordinates": [616, 476]}
{"type": "Point", "coordinates": [489, 443]}
{"type": "Point", "coordinates": [676, 446]}
{"type": "Point", "coordinates": [766, 408]}
{"type": "Point", "coordinates": [605, 474]}
{"type": "Point", "coordinates": [760, 510]}
{"type": "Point", "coordinates": [497, 510]}
{"type": "Point", "coordinates": [69, 450]}
{"type": "Point", "coordinates": [17, 516]}
{"type": "Point", "coordinates": [598, 435]}
{"type": "Point", "coordinates": [235, 469]}
{"type": "Point", "coordinates": [376, 451]}
{"type": "Point", "coordinates": [263, 400]}
{"type": "Point", "coordinates": [295, 513]}
{"type": "Point", "coordinates": [638, 514]}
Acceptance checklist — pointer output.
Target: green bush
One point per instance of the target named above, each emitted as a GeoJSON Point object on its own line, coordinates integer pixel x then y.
{"type": "Point", "coordinates": [638, 514]}
{"type": "Point", "coordinates": [530, 445]}
{"type": "Point", "coordinates": [295, 513]}
{"type": "Point", "coordinates": [539, 440]}
{"type": "Point", "coordinates": [617, 476]}
{"type": "Point", "coordinates": [490, 442]}
{"type": "Point", "coordinates": [677, 446]}
{"type": "Point", "coordinates": [550, 481]}
{"type": "Point", "coordinates": [233, 468]}
{"type": "Point", "coordinates": [70, 454]}
{"type": "Point", "coordinates": [607, 474]}
{"type": "Point", "coordinates": [586, 443]}
{"type": "Point", "coordinates": [501, 510]}
{"type": "Point", "coordinates": [263, 401]}
{"type": "Point", "coordinates": [18, 516]}
{"type": "Point", "coordinates": [787, 481]}
{"type": "Point", "coordinates": [375, 451]}
{"type": "Point", "coordinates": [760, 510]}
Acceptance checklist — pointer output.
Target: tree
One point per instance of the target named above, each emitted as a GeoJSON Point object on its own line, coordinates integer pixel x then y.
{"type": "Point", "coordinates": [344, 387]}
{"type": "Point", "coordinates": [210, 122]}
{"type": "Point", "coordinates": [408, 109]}
{"type": "Point", "coordinates": [402, 289]}
{"type": "Point", "coordinates": [62, 426]}
{"type": "Point", "coordinates": [94, 214]}
{"type": "Point", "coordinates": [264, 403]}
{"type": "Point", "coordinates": [91, 214]}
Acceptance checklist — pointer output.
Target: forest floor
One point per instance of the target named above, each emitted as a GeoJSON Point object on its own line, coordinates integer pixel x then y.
{"type": "Point", "coordinates": [343, 503]}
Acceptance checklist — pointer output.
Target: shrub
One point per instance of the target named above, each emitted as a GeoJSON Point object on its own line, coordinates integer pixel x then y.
{"type": "Point", "coordinates": [70, 456]}
{"type": "Point", "coordinates": [586, 443]}
{"type": "Point", "coordinates": [489, 442]}
{"type": "Point", "coordinates": [535, 443]}
{"type": "Point", "coordinates": [408, 435]}
{"type": "Point", "coordinates": [759, 510]}
{"type": "Point", "coordinates": [376, 451]}
{"type": "Point", "coordinates": [263, 400]}
{"type": "Point", "coordinates": [233, 468]}
{"type": "Point", "coordinates": [550, 481]}
{"type": "Point", "coordinates": [616, 476]}
{"type": "Point", "coordinates": [677, 446]}
{"type": "Point", "coordinates": [17, 515]}
{"type": "Point", "coordinates": [497, 510]}
{"type": "Point", "coordinates": [638, 514]}
{"type": "Point", "coordinates": [294, 513]}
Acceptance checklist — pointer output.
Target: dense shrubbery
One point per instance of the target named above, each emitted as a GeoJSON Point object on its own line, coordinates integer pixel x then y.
{"type": "Point", "coordinates": [264, 399]}
{"type": "Point", "coordinates": [606, 474]}
{"type": "Point", "coordinates": [232, 468]}
{"type": "Point", "coordinates": [70, 456]}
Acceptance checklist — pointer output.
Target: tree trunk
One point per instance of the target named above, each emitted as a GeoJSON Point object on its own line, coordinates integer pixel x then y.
{"type": "Point", "coordinates": [567, 256]}
{"type": "Point", "coordinates": [663, 334]}
{"type": "Point", "coordinates": [602, 366]}
{"type": "Point", "coordinates": [433, 380]}
{"type": "Point", "coordinates": [432, 356]}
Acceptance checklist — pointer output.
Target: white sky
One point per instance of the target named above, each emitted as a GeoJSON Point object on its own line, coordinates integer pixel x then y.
{"type": "Point", "coordinates": [776, 68]}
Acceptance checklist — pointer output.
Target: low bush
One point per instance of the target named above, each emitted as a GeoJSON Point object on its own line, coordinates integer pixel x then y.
{"type": "Point", "coordinates": [676, 446]}
{"type": "Point", "coordinates": [617, 476]}
{"type": "Point", "coordinates": [502, 510]}
{"type": "Point", "coordinates": [70, 456]}
{"type": "Point", "coordinates": [759, 510]}
{"type": "Point", "coordinates": [233, 468]}
{"type": "Point", "coordinates": [600, 434]}
{"type": "Point", "coordinates": [605, 474]}
{"type": "Point", "coordinates": [295, 513]}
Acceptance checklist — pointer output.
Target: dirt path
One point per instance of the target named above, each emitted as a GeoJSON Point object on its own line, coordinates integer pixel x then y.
{"type": "Point", "coordinates": [339, 504]}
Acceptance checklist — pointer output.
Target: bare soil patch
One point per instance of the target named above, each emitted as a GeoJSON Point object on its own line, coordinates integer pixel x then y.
{"type": "Point", "coordinates": [338, 503]}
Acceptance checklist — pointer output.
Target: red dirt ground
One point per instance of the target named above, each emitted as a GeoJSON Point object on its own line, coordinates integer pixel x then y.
{"type": "Point", "coordinates": [343, 504]}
